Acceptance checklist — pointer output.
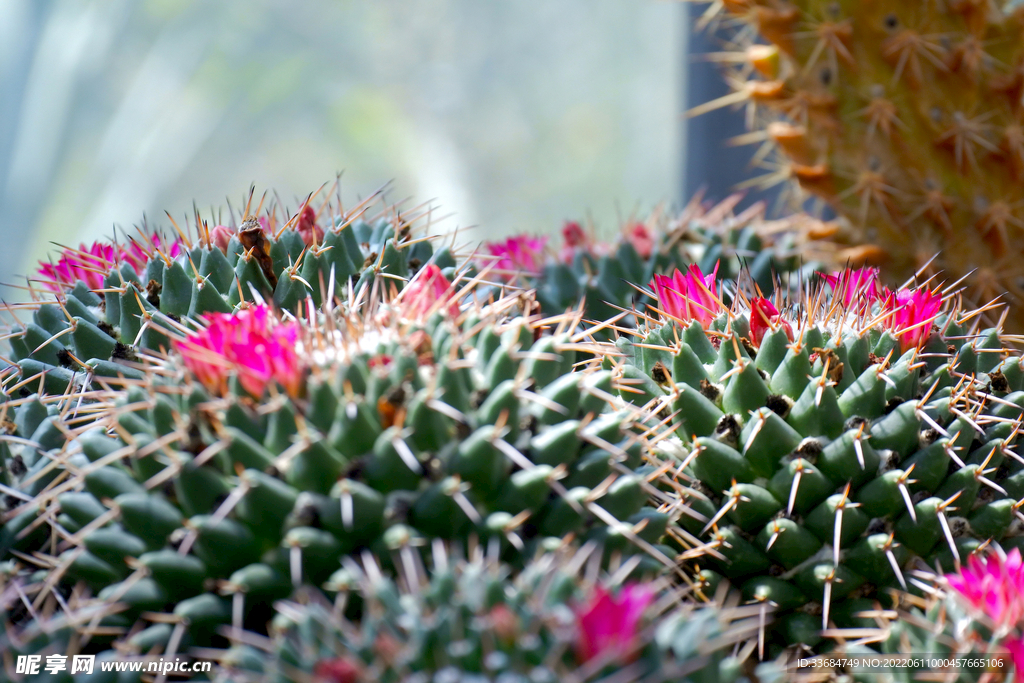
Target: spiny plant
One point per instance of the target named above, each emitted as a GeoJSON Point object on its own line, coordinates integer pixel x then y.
{"type": "Point", "coordinates": [256, 449]}
{"type": "Point", "coordinates": [96, 306]}
{"type": "Point", "coordinates": [904, 118]}
{"type": "Point", "coordinates": [963, 626]}
{"type": "Point", "coordinates": [603, 273]}
{"type": "Point", "coordinates": [471, 620]}
{"type": "Point", "coordinates": [469, 617]}
{"type": "Point", "coordinates": [823, 444]}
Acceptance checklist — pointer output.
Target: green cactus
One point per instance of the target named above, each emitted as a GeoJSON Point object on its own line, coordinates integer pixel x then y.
{"type": "Point", "coordinates": [98, 306]}
{"type": "Point", "coordinates": [820, 461]}
{"type": "Point", "coordinates": [606, 275]}
{"type": "Point", "coordinates": [471, 622]}
{"type": "Point", "coordinates": [256, 452]}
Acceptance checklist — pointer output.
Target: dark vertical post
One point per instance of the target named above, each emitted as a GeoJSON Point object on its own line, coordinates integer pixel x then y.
{"type": "Point", "coordinates": [710, 163]}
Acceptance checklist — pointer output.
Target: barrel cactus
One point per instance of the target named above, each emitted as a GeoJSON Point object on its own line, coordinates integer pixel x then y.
{"type": "Point", "coordinates": [196, 468]}
{"type": "Point", "coordinates": [824, 446]}
{"type": "Point", "coordinates": [467, 620]}
{"type": "Point", "coordinates": [96, 306]}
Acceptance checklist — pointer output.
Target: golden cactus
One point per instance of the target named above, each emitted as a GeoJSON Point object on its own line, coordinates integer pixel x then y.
{"type": "Point", "coordinates": [906, 118]}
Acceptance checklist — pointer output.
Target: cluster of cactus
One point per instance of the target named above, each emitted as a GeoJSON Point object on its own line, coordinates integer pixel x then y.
{"type": "Point", "coordinates": [609, 276]}
{"type": "Point", "coordinates": [471, 621]}
{"type": "Point", "coordinates": [964, 626]}
{"type": "Point", "coordinates": [97, 306]}
{"type": "Point", "coordinates": [166, 477]}
{"type": "Point", "coordinates": [263, 472]}
{"type": "Point", "coordinates": [904, 118]}
{"type": "Point", "coordinates": [823, 452]}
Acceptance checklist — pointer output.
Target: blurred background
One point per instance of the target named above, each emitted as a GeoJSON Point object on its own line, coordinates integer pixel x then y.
{"type": "Point", "coordinates": [515, 115]}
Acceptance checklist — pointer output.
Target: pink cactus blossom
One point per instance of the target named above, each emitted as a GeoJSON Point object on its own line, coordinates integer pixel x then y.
{"type": "Point", "coordinates": [640, 237]}
{"type": "Point", "coordinates": [249, 343]}
{"type": "Point", "coordinates": [993, 586]}
{"type": "Point", "coordinates": [220, 237]}
{"type": "Point", "coordinates": [337, 670]}
{"type": "Point", "coordinates": [429, 291]}
{"type": "Point", "coordinates": [609, 624]}
{"type": "Point", "coordinates": [689, 295]}
{"type": "Point", "coordinates": [911, 314]}
{"type": "Point", "coordinates": [307, 228]}
{"type": "Point", "coordinates": [1016, 648]}
{"type": "Point", "coordinates": [574, 237]}
{"type": "Point", "coordinates": [763, 317]}
{"type": "Point", "coordinates": [518, 253]}
{"type": "Point", "coordinates": [857, 287]}
{"type": "Point", "coordinates": [91, 263]}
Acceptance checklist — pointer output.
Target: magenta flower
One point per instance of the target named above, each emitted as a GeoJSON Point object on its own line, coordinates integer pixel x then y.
{"type": "Point", "coordinates": [993, 586]}
{"type": "Point", "coordinates": [640, 237]}
{"type": "Point", "coordinates": [337, 670]}
{"type": "Point", "coordinates": [220, 237]}
{"type": "Point", "coordinates": [609, 624]}
{"type": "Point", "coordinates": [855, 286]}
{"type": "Point", "coordinates": [689, 296]}
{"type": "Point", "coordinates": [518, 253]}
{"type": "Point", "coordinates": [574, 237]}
{"type": "Point", "coordinates": [911, 315]}
{"type": "Point", "coordinates": [1016, 648]}
{"type": "Point", "coordinates": [90, 264]}
{"type": "Point", "coordinates": [763, 317]}
{"type": "Point", "coordinates": [306, 227]}
{"type": "Point", "coordinates": [249, 343]}
{"type": "Point", "coordinates": [429, 291]}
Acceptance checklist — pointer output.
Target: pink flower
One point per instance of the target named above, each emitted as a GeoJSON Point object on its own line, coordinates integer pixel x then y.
{"type": "Point", "coordinates": [993, 586]}
{"type": "Point", "coordinates": [90, 264]}
{"type": "Point", "coordinates": [1016, 648]}
{"type": "Point", "coordinates": [306, 227]}
{"type": "Point", "coordinates": [764, 316]}
{"type": "Point", "coordinates": [220, 237]}
{"type": "Point", "coordinates": [337, 670]}
{"type": "Point", "coordinates": [640, 237]}
{"type": "Point", "coordinates": [251, 344]}
{"type": "Point", "coordinates": [518, 253]}
{"type": "Point", "coordinates": [429, 291]}
{"type": "Point", "coordinates": [912, 313]}
{"type": "Point", "coordinates": [574, 237]}
{"type": "Point", "coordinates": [854, 286]}
{"type": "Point", "coordinates": [689, 296]}
{"type": "Point", "coordinates": [609, 624]}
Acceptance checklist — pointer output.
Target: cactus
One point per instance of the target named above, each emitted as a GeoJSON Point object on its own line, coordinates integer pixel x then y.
{"type": "Point", "coordinates": [468, 621]}
{"type": "Point", "coordinates": [905, 119]}
{"type": "Point", "coordinates": [465, 618]}
{"type": "Point", "coordinates": [97, 306]}
{"type": "Point", "coordinates": [963, 626]}
{"type": "Point", "coordinates": [604, 273]}
{"type": "Point", "coordinates": [254, 450]}
{"type": "Point", "coordinates": [825, 444]}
